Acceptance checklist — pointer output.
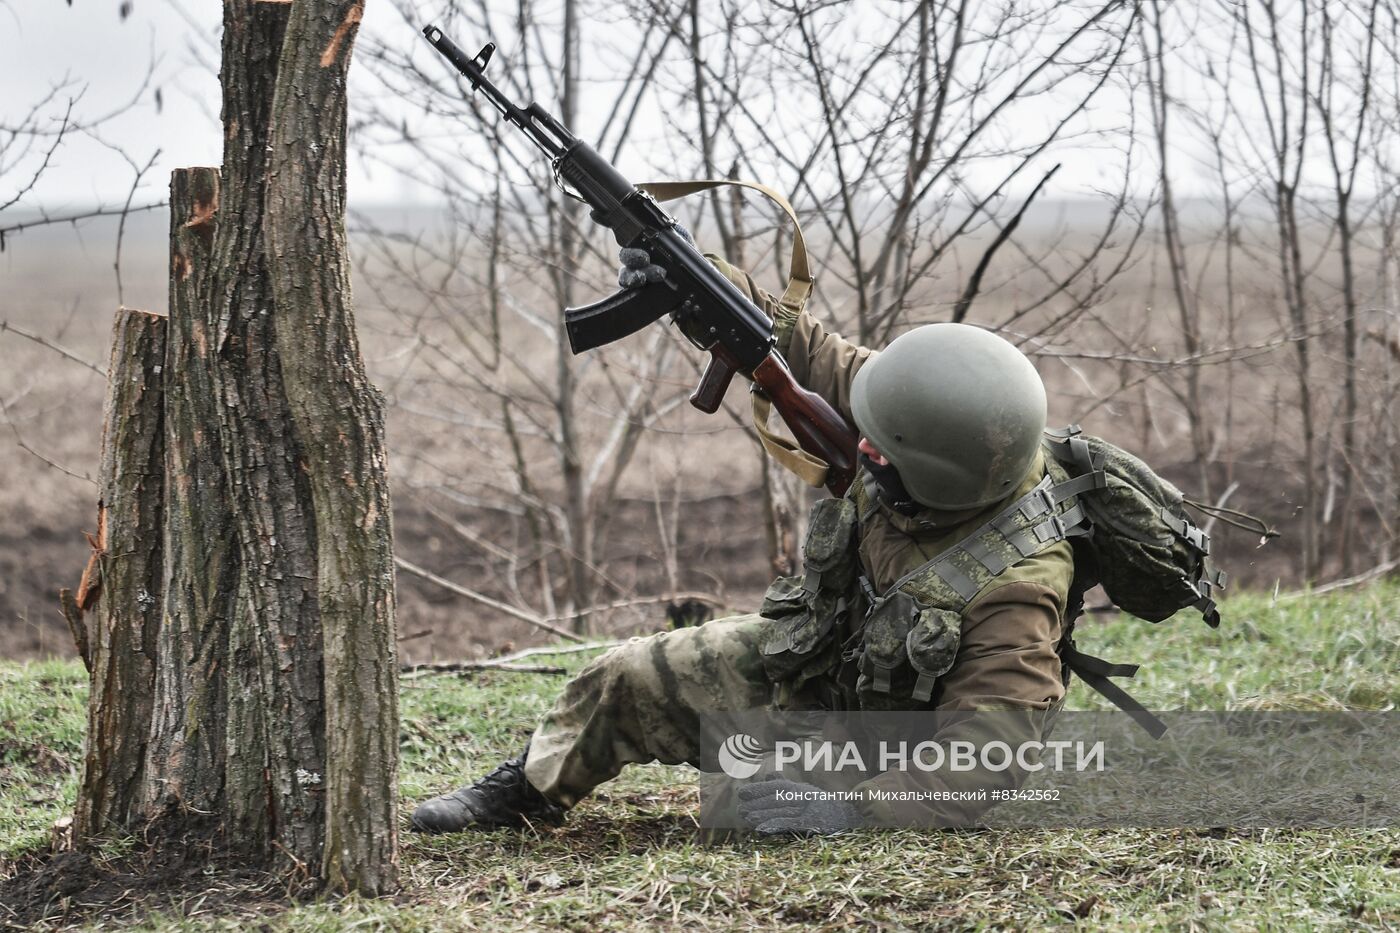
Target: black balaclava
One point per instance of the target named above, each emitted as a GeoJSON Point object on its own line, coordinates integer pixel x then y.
{"type": "Point", "coordinates": [890, 487]}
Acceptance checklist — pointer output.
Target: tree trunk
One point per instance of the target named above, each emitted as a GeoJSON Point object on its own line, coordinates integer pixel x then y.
{"type": "Point", "coordinates": [783, 515]}
{"type": "Point", "coordinates": [276, 697]}
{"type": "Point", "coordinates": [1188, 309]}
{"type": "Point", "coordinates": [1351, 455]}
{"type": "Point", "coordinates": [276, 720]}
{"type": "Point", "coordinates": [339, 422]}
{"type": "Point", "coordinates": [185, 756]}
{"type": "Point", "coordinates": [121, 589]}
{"type": "Point", "coordinates": [1290, 249]}
{"type": "Point", "coordinates": [578, 556]}
{"type": "Point", "coordinates": [782, 525]}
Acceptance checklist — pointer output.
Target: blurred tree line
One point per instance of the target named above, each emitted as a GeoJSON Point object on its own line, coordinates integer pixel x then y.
{"type": "Point", "coordinates": [1243, 336]}
{"type": "Point", "coordinates": [1222, 300]}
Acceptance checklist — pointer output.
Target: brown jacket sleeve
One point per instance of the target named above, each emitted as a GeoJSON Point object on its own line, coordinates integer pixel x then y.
{"type": "Point", "coordinates": [1007, 658]}
{"type": "Point", "coordinates": [823, 362]}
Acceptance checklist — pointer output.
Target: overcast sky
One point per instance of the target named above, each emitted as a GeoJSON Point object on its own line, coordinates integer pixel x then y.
{"type": "Point", "coordinates": [105, 58]}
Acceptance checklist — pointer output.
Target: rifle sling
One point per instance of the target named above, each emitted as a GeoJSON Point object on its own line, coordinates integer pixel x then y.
{"type": "Point", "coordinates": [810, 469]}
{"type": "Point", "coordinates": [799, 285]}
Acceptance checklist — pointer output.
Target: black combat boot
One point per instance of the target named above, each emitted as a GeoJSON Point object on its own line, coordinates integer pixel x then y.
{"type": "Point", "coordinates": [501, 798]}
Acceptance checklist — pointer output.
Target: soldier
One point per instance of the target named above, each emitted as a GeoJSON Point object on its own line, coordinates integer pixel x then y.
{"type": "Point", "coordinates": [951, 419]}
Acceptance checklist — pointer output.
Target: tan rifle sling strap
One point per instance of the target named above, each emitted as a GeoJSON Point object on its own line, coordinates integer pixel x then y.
{"type": "Point", "coordinates": [811, 470]}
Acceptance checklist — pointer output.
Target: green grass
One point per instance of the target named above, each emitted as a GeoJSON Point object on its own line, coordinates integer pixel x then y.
{"type": "Point", "coordinates": [630, 858]}
{"type": "Point", "coordinates": [42, 721]}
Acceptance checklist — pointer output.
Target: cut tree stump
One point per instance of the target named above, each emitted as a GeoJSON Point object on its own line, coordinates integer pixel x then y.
{"type": "Point", "coordinates": [274, 796]}
{"type": "Point", "coordinates": [338, 420]}
{"type": "Point", "coordinates": [240, 597]}
{"type": "Point", "coordinates": [121, 592]}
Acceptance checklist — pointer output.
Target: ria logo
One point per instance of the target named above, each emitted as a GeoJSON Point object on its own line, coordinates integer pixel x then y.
{"type": "Point", "coordinates": [740, 756]}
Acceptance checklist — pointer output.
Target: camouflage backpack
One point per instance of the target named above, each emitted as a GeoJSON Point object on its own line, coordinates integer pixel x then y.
{"type": "Point", "coordinates": [1151, 559]}
{"type": "Point", "coordinates": [1143, 548]}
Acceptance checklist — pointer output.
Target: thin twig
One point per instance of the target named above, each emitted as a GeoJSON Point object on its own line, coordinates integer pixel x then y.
{"type": "Point", "coordinates": [1379, 570]}
{"type": "Point", "coordinates": [67, 354]}
{"type": "Point", "coordinates": [521, 614]}
{"type": "Point", "coordinates": [505, 661]}
{"type": "Point", "coordinates": [551, 650]}
{"type": "Point", "coordinates": [415, 671]}
{"type": "Point", "coordinates": [24, 445]}
{"type": "Point", "coordinates": [45, 221]}
{"type": "Point", "coordinates": [121, 224]}
{"type": "Point", "coordinates": [1220, 504]}
{"type": "Point", "coordinates": [974, 284]}
{"type": "Point", "coordinates": [64, 126]}
{"type": "Point", "coordinates": [708, 599]}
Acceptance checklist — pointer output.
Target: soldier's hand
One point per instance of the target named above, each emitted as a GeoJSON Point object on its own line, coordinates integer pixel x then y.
{"type": "Point", "coordinates": [638, 269]}
{"type": "Point", "coordinates": [781, 806]}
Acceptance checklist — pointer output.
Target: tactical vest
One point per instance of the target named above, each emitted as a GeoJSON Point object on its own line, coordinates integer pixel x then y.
{"type": "Point", "coordinates": [912, 630]}
{"type": "Point", "coordinates": [1150, 557]}
{"type": "Point", "coordinates": [906, 637]}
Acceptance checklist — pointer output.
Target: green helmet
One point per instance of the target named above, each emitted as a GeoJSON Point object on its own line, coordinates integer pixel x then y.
{"type": "Point", "coordinates": [957, 410]}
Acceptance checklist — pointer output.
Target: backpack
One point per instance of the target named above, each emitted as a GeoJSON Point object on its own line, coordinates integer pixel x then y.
{"type": "Point", "coordinates": [1150, 558]}
{"type": "Point", "coordinates": [1142, 547]}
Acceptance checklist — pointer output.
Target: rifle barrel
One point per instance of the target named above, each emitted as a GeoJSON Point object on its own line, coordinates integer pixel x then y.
{"type": "Point", "coordinates": [533, 119]}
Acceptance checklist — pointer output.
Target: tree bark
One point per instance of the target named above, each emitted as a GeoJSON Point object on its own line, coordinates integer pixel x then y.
{"type": "Point", "coordinates": [185, 755]}
{"type": "Point", "coordinates": [276, 722]}
{"type": "Point", "coordinates": [580, 530]}
{"type": "Point", "coordinates": [123, 596]}
{"type": "Point", "coordinates": [339, 423]}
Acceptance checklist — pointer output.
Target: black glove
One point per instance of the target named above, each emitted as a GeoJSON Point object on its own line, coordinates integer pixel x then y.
{"type": "Point", "coordinates": [638, 269]}
{"type": "Point", "coordinates": [780, 806]}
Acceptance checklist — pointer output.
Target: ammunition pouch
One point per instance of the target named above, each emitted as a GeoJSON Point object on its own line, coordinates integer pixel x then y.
{"type": "Point", "coordinates": [805, 611]}
{"type": "Point", "coordinates": [799, 639]}
{"type": "Point", "coordinates": [828, 554]}
{"type": "Point", "coordinates": [906, 647]}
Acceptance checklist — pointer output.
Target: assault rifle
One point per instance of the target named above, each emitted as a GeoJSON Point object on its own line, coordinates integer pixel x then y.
{"type": "Point", "coordinates": [712, 313]}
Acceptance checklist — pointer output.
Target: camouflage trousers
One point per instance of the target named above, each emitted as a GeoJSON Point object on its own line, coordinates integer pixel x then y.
{"type": "Point", "coordinates": [648, 700]}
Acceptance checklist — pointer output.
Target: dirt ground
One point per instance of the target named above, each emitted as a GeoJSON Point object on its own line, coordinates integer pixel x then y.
{"type": "Point", "coordinates": [58, 285]}
{"type": "Point", "coordinates": [192, 870]}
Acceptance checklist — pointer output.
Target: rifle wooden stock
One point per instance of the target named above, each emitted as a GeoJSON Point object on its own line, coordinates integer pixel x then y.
{"type": "Point", "coordinates": [818, 428]}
